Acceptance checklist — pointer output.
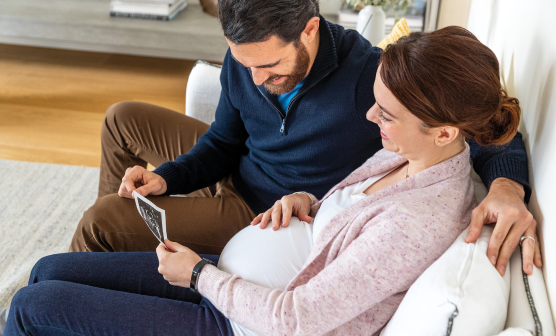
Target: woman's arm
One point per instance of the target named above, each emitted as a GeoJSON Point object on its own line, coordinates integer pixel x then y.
{"type": "Point", "coordinates": [386, 258]}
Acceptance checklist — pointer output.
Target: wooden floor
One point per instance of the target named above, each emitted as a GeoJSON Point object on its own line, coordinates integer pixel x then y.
{"type": "Point", "coordinates": [52, 102]}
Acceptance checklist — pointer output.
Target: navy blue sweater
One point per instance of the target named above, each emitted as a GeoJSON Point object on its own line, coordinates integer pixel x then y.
{"type": "Point", "coordinates": [317, 142]}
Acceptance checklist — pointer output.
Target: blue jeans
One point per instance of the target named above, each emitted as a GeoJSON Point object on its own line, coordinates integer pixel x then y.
{"type": "Point", "coordinates": [109, 294]}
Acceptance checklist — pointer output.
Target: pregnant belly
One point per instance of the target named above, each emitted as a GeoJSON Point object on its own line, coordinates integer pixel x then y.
{"type": "Point", "coordinates": [268, 258]}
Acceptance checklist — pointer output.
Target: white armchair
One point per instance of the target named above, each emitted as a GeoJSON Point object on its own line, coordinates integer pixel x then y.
{"type": "Point", "coordinates": [203, 91]}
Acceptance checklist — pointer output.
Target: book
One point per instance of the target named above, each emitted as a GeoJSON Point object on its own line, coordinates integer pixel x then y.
{"type": "Point", "coordinates": [142, 14]}
{"type": "Point", "coordinates": [149, 1]}
{"type": "Point", "coordinates": [347, 17]}
{"type": "Point", "coordinates": [153, 8]}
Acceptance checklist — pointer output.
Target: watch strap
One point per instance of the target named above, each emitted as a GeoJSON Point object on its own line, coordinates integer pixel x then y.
{"type": "Point", "coordinates": [196, 271]}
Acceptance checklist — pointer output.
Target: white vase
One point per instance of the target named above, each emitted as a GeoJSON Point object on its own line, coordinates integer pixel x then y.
{"type": "Point", "coordinates": [371, 24]}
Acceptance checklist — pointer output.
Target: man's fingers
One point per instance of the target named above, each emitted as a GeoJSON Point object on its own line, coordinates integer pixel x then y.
{"type": "Point", "coordinates": [507, 249]}
{"type": "Point", "coordinates": [123, 192]}
{"type": "Point", "coordinates": [528, 248]}
{"type": "Point", "coordinates": [538, 258]}
{"type": "Point", "coordinates": [499, 236]}
{"type": "Point", "coordinates": [131, 176]}
{"type": "Point", "coordinates": [129, 184]}
{"type": "Point", "coordinates": [143, 191]}
{"type": "Point", "coordinates": [476, 226]}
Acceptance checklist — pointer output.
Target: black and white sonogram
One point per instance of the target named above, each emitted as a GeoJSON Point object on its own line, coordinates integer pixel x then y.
{"type": "Point", "coordinates": [154, 216]}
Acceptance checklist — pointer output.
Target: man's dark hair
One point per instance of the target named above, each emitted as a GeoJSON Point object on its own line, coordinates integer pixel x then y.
{"type": "Point", "coordinates": [249, 21]}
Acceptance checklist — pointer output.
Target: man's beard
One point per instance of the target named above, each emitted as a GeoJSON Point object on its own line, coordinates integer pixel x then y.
{"type": "Point", "coordinates": [300, 70]}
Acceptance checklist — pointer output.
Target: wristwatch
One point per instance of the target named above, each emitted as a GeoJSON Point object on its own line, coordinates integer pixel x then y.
{"type": "Point", "coordinates": [196, 270]}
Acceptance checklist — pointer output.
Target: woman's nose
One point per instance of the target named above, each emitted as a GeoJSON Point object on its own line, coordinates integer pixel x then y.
{"type": "Point", "coordinates": [259, 76]}
{"type": "Point", "coordinates": [372, 114]}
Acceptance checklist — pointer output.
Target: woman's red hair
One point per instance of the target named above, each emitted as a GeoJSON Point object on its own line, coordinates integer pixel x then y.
{"type": "Point", "coordinates": [448, 77]}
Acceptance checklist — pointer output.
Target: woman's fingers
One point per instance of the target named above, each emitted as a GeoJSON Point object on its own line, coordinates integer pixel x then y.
{"type": "Point", "coordinates": [266, 218]}
{"type": "Point", "coordinates": [257, 219]}
{"type": "Point", "coordinates": [528, 247]}
{"type": "Point", "coordinates": [281, 213]}
{"type": "Point", "coordinates": [276, 215]}
{"type": "Point", "coordinates": [286, 211]}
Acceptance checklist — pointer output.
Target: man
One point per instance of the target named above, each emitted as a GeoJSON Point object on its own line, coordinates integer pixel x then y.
{"type": "Point", "coordinates": [292, 84]}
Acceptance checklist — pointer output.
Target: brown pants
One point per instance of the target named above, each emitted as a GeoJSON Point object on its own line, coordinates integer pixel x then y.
{"type": "Point", "coordinates": [136, 133]}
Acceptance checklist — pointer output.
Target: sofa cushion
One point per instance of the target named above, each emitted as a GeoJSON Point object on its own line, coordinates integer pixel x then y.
{"type": "Point", "coordinates": [460, 294]}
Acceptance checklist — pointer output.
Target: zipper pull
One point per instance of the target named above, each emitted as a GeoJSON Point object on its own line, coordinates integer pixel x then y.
{"type": "Point", "coordinates": [283, 127]}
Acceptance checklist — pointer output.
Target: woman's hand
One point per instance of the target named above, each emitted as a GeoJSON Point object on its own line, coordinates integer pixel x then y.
{"type": "Point", "coordinates": [282, 211]}
{"type": "Point", "coordinates": [176, 264]}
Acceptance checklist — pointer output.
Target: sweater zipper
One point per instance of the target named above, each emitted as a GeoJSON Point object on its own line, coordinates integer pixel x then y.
{"type": "Point", "coordinates": [282, 116]}
{"type": "Point", "coordinates": [283, 126]}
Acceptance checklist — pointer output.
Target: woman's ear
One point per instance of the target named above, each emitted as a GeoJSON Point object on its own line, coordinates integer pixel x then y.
{"type": "Point", "coordinates": [446, 135]}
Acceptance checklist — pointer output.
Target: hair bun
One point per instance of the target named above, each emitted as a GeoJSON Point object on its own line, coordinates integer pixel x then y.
{"type": "Point", "coordinates": [503, 125]}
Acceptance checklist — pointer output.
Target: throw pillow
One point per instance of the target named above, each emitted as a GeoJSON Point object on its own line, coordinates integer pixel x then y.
{"type": "Point", "coordinates": [459, 294]}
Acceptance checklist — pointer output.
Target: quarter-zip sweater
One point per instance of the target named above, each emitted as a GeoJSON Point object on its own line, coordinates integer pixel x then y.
{"type": "Point", "coordinates": [321, 138]}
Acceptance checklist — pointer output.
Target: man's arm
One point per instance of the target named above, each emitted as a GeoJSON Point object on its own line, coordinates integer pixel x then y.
{"type": "Point", "coordinates": [504, 171]}
{"type": "Point", "coordinates": [509, 161]}
{"type": "Point", "coordinates": [216, 153]}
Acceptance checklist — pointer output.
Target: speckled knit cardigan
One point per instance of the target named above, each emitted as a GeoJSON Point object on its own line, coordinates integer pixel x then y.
{"type": "Point", "coordinates": [363, 261]}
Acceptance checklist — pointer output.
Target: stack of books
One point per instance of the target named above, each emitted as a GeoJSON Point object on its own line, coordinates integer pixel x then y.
{"type": "Point", "coordinates": [164, 10]}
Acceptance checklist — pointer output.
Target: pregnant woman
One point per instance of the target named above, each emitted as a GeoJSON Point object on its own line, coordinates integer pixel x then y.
{"type": "Point", "coordinates": [344, 274]}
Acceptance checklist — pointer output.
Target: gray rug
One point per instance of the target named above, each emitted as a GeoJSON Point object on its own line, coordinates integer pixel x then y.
{"type": "Point", "coordinates": [40, 207]}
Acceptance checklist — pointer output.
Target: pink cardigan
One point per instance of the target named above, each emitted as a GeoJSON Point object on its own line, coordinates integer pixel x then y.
{"type": "Point", "coordinates": [363, 261]}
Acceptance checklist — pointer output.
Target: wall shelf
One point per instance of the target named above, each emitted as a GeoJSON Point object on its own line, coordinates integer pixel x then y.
{"type": "Point", "coordinates": [86, 25]}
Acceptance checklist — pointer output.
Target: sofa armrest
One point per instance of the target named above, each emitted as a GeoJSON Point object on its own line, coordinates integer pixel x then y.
{"type": "Point", "coordinates": [203, 91]}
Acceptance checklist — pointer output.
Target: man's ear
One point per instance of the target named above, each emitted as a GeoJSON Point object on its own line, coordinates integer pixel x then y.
{"type": "Point", "coordinates": [311, 29]}
{"type": "Point", "coordinates": [446, 135]}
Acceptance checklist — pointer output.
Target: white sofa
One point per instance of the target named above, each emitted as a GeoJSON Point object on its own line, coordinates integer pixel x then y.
{"type": "Point", "coordinates": [527, 54]}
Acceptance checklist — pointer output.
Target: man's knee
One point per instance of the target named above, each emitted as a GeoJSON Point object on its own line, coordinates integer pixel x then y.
{"type": "Point", "coordinates": [93, 222]}
{"type": "Point", "coordinates": [117, 112]}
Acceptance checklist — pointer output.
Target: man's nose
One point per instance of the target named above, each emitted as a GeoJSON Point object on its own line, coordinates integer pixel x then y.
{"type": "Point", "coordinates": [259, 75]}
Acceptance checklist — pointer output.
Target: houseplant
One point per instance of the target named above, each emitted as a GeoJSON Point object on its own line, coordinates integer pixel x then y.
{"type": "Point", "coordinates": [372, 19]}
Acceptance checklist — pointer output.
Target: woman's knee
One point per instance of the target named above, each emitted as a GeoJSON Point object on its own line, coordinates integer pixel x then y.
{"type": "Point", "coordinates": [51, 267]}
{"type": "Point", "coordinates": [33, 298]}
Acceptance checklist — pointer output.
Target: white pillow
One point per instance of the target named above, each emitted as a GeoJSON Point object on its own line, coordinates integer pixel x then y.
{"type": "Point", "coordinates": [461, 278]}
{"type": "Point", "coordinates": [515, 332]}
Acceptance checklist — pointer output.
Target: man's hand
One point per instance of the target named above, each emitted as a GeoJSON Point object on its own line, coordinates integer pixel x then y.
{"type": "Point", "coordinates": [176, 264]}
{"type": "Point", "coordinates": [504, 206]}
{"type": "Point", "coordinates": [142, 181]}
{"type": "Point", "coordinates": [282, 211]}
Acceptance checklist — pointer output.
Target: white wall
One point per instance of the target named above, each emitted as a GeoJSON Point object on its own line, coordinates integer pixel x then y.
{"type": "Point", "coordinates": [453, 13]}
{"type": "Point", "coordinates": [523, 36]}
